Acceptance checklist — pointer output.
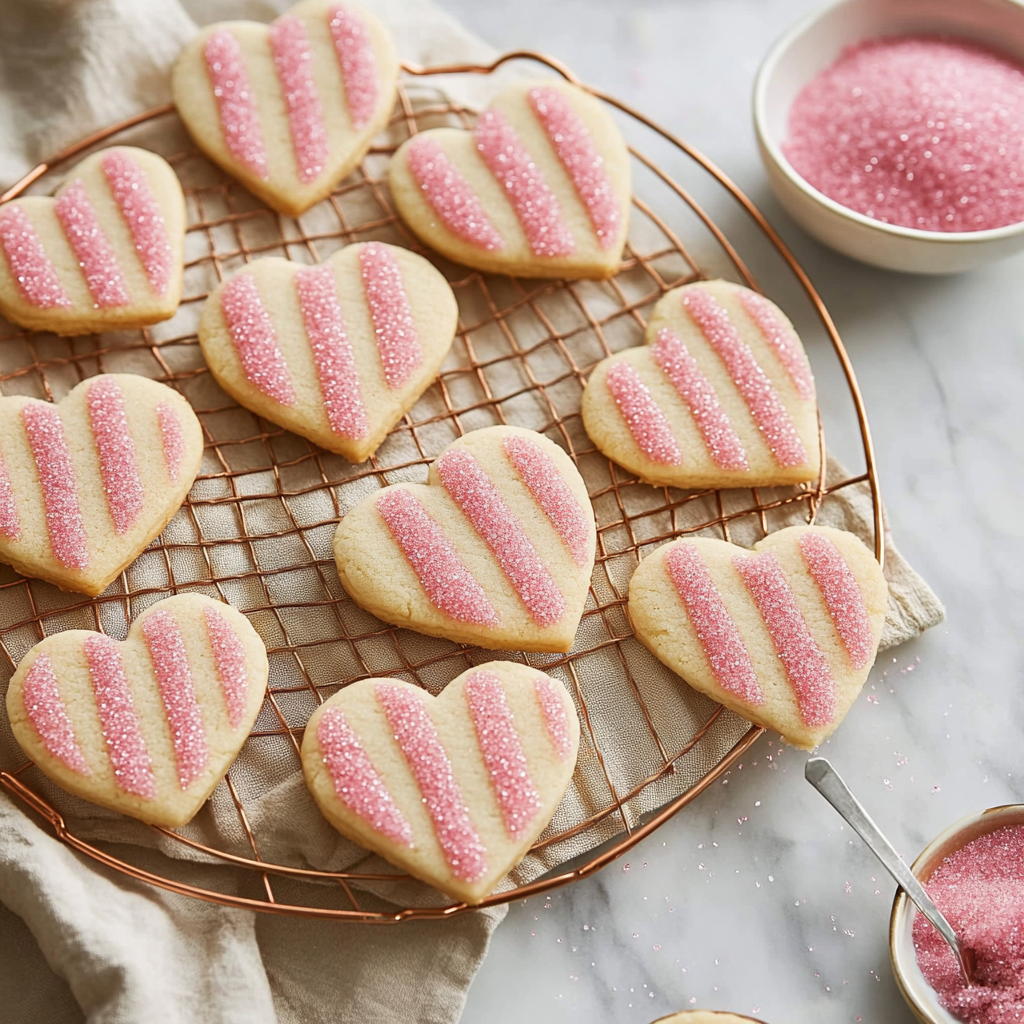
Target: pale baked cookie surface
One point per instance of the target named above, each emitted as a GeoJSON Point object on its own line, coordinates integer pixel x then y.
{"type": "Point", "coordinates": [86, 483]}
{"type": "Point", "coordinates": [540, 188]}
{"type": "Point", "coordinates": [337, 352]}
{"type": "Point", "coordinates": [785, 634]}
{"type": "Point", "coordinates": [721, 395]}
{"type": "Point", "coordinates": [496, 549]}
{"type": "Point", "coordinates": [288, 108]}
{"type": "Point", "coordinates": [104, 252]}
{"type": "Point", "coordinates": [147, 726]}
{"type": "Point", "coordinates": [453, 789]}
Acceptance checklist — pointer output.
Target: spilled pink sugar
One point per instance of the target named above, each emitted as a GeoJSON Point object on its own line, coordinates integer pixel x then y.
{"type": "Point", "coordinates": [503, 752]}
{"type": "Point", "coordinates": [717, 632]}
{"type": "Point", "coordinates": [239, 120]}
{"type": "Point", "coordinates": [449, 585]}
{"type": "Point", "coordinates": [550, 491]}
{"type": "Point", "coordinates": [536, 206]}
{"type": "Point", "coordinates": [229, 657]}
{"type": "Point", "coordinates": [643, 416]}
{"type": "Point", "coordinates": [358, 64]}
{"type": "Point", "coordinates": [49, 716]}
{"type": "Point", "coordinates": [293, 58]}
{"type": "Point", "coordinates": [923, 132]}
{"type": "Point", "coordinates": [556, 718]}
{"type": "Point", "coordinates": [450, 195]}
{"type": "Point", "coordinates": [30, 266]}
{"type": "Point", "coordinates": [95, 256]}
{"type": "Point", "coordinates": [471, 489]}
{"type": "Point", "coordinates": [393, 326]}
{"type": "Point", "coordinates": [173, 439]}
{"type": "Point", "coordinates": [116, 449]}
{"type": "Point", "coordinates": [10, 521]}
{"type": "Point", "coordinates": [980, 890]}
{"type": "Point", "coordinates": [416, 735]}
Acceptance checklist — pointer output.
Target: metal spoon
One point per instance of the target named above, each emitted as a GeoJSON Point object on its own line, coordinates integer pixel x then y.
{"type": "Point", "coordinates": [826, 780]}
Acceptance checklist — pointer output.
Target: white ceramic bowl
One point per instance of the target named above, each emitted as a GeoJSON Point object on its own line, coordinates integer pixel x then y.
{"type": "Point", "coordinates": [815, 43]}
{"type": "Point", "coordinates": [920, 996]}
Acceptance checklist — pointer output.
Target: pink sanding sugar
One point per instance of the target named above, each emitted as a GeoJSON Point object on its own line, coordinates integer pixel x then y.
{"type": "Point", "coordinates": [918, 131]}
{"type": "Point", "coordinates": [980, 890]}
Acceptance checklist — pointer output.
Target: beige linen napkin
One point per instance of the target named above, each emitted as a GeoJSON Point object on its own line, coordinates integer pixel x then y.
{"type": "Point", "coordinates": [132, 953]}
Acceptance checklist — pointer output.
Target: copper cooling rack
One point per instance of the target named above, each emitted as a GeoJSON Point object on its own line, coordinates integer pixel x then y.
{"type": "Point", "coordinates": [256, 528]}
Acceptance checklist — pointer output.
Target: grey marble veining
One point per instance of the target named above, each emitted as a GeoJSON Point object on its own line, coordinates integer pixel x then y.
{"type": "Point", "coordinates": [755, 898]}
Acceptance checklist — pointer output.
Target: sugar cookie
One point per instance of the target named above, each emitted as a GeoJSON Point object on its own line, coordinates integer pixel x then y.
{"type": "Point", "coordinates": [720, 396]}
{"type": "Point", "coordinates": [104, 252]}
{"type": "Point", "coordinates": [540, 188]}
{"type": "Point", "coordinates": [147, 726]}
{"type": "Point", "coordinates": [785, 635]}
{"type": "Point", "coordinates": [88, 482]}
{"type": "Point", "coordinates": [289, 108]}
{"type": "Point", "coordinates": [337, 352]}
{"type": "Point", "coordinates": [453, 789]}
{"type": "Point", "coordinates": [496, 549]}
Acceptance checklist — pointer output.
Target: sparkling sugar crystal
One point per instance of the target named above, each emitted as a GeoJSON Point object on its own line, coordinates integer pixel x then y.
{"type": "Point", "coordinates": [229, 657]}
{"type": "Point", "coordinates": [236, 104]}
{"type": "Point", "coordinates": [922, 132]}
{"type": "Point", "coordinates": [48, 715]}
{"type": "Point", "coordinates": [783, 339]}
{"type": "Point", "coordinates": [30, 266]}
{"type": "Point", "coordinates": [116, 449]}
{"type": "Point", "coordinates": [358, 64]}
{"type": "Point", "coordinates": [173, 439]}
{"type": "Point", "coordinates": [643, 416]}
{"type": "Point", "coordinates": [555, 716]}
{"type": "Point", "coordinates": [397, 341]}
{"type": "Point", "coordinates": [10, 521]}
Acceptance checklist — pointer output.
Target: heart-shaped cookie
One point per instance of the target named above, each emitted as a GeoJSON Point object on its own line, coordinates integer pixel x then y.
{"type": "Point", "coordinates": [104, 252]}
{"type": "Point", "coordinates": [720, 396]}
{"type": "Point", "coordinates": [453, 789]}
{"type": "Point", "coordinates": [288, 108]}
{"type": "Point", "coordinates": [147, 726]}
{"type": "Point", "coordinates": [540, 188]}
{"type": "Point", "coordinates": [337, 352]}
{"type": "Point", "coordinates": [496, 549]}
{"type": "Point", "coordinates": [88, 482]}
{"type": "Point", "coordinates": [785, 635]}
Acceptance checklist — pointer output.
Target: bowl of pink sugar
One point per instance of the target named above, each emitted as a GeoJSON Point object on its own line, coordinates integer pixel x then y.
{"type": "Point", "coordinates": [893, 130]}
{"type": "Point", "coordinates": [974, 872]}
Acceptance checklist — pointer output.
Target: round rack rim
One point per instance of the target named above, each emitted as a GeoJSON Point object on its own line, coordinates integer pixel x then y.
{"type": "Point", "coordinates": [609, 850]}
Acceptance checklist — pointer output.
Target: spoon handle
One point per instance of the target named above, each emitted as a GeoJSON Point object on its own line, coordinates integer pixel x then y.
{"type": "Point", "coordinates": [827, 781]}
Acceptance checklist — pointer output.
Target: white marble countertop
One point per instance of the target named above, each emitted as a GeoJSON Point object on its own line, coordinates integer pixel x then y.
{"type": "Point", "coordinates": [754, 898]}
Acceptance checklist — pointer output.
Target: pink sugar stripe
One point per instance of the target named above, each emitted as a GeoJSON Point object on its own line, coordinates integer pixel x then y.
{"type": "Point", "coordinates": [356, 782]}
{"type": "Point", "coordinates": [332, 352]}
{"type": "Point", "coordinates": [416, 736]}
{"type": "Point", "coordinates": [173, 440]}
{"type": "Point", "coordinates": [502, 751]}
{"type": "Point", "coordinates": [229, 657]}
{"type": "Point", "coordinates": [556, 718]}
{"type": "Point", "coordinates": [449, 585]}
{"type": "Point", "coordinates": [10, 522]}
{"type": "Point", "coordinates": [57, 479]}
{"type": "Point", "coordinates": [358, 64]}
{"type": "Point", "coordinates": [255, 340]}
{"type": "Point", "coordinates": [30, 266]}
{"type": "Point", "coordinates": [239, 120]}
{"type": "Point", "coordinates": [783, 339]}
{"type": "Point", "coordinates": [49, 716]}
{"type": "Point", "coordinates": [174, 678]}
{"type": "Point", "coordinates": [116, 449]}
{"type": "Point", "coordinates": [133, 770]}
{"type": "Point", "coordinates": [523, 182]}
{"type": "Point", "coordinates": [553, 494]}
{"type": "Point", "coordinates": [471, 489]}
{"type": "Point", "coordinates": [842, 594]}
{"type": "Point", "coordinates": [397, 341]}
{"type": "Point", "coordinates": [761, 397]}
{"type": "Point", "coordinates": [450, 196]}
{"type": "Point", "coordinates": [643, 416]}
{"type": "Point", "coordinates": [697, 392]}
{"type": "Point", "coordinates": [719, 638]}
{"type": "Point", "coordinates": [92, 249]}
{"type": "Point", "coordinates": [575, 149]}
{"type": "Point", "coordinates": [130, 188]}
{"type": "Point", "coordinates": [804, 663]}
{"type": "Point", "coordinates": [293, 58]}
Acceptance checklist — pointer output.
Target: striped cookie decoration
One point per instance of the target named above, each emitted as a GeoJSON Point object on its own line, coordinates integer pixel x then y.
{"type": "Point", "coordinates": [721, 395]}
{"type": "Point", "coordinates": [289, 108]}
{"type": "Point", "coordinates": [86, 483]}
{"type": "Point", "coordinates": [337, 352]}
{"type": "Point", "coordinates": [147, 726]}
{"type": "Point", "coordinates": [495, 550]}
{"type": "Point", "coordinates": [540, 187]}
{"type": "Point", "coordinates": [785, 635]}
{"type": "Point", "coordinates": [104, 252]}
{"type": "Point", "coordinates": [453, 789]}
